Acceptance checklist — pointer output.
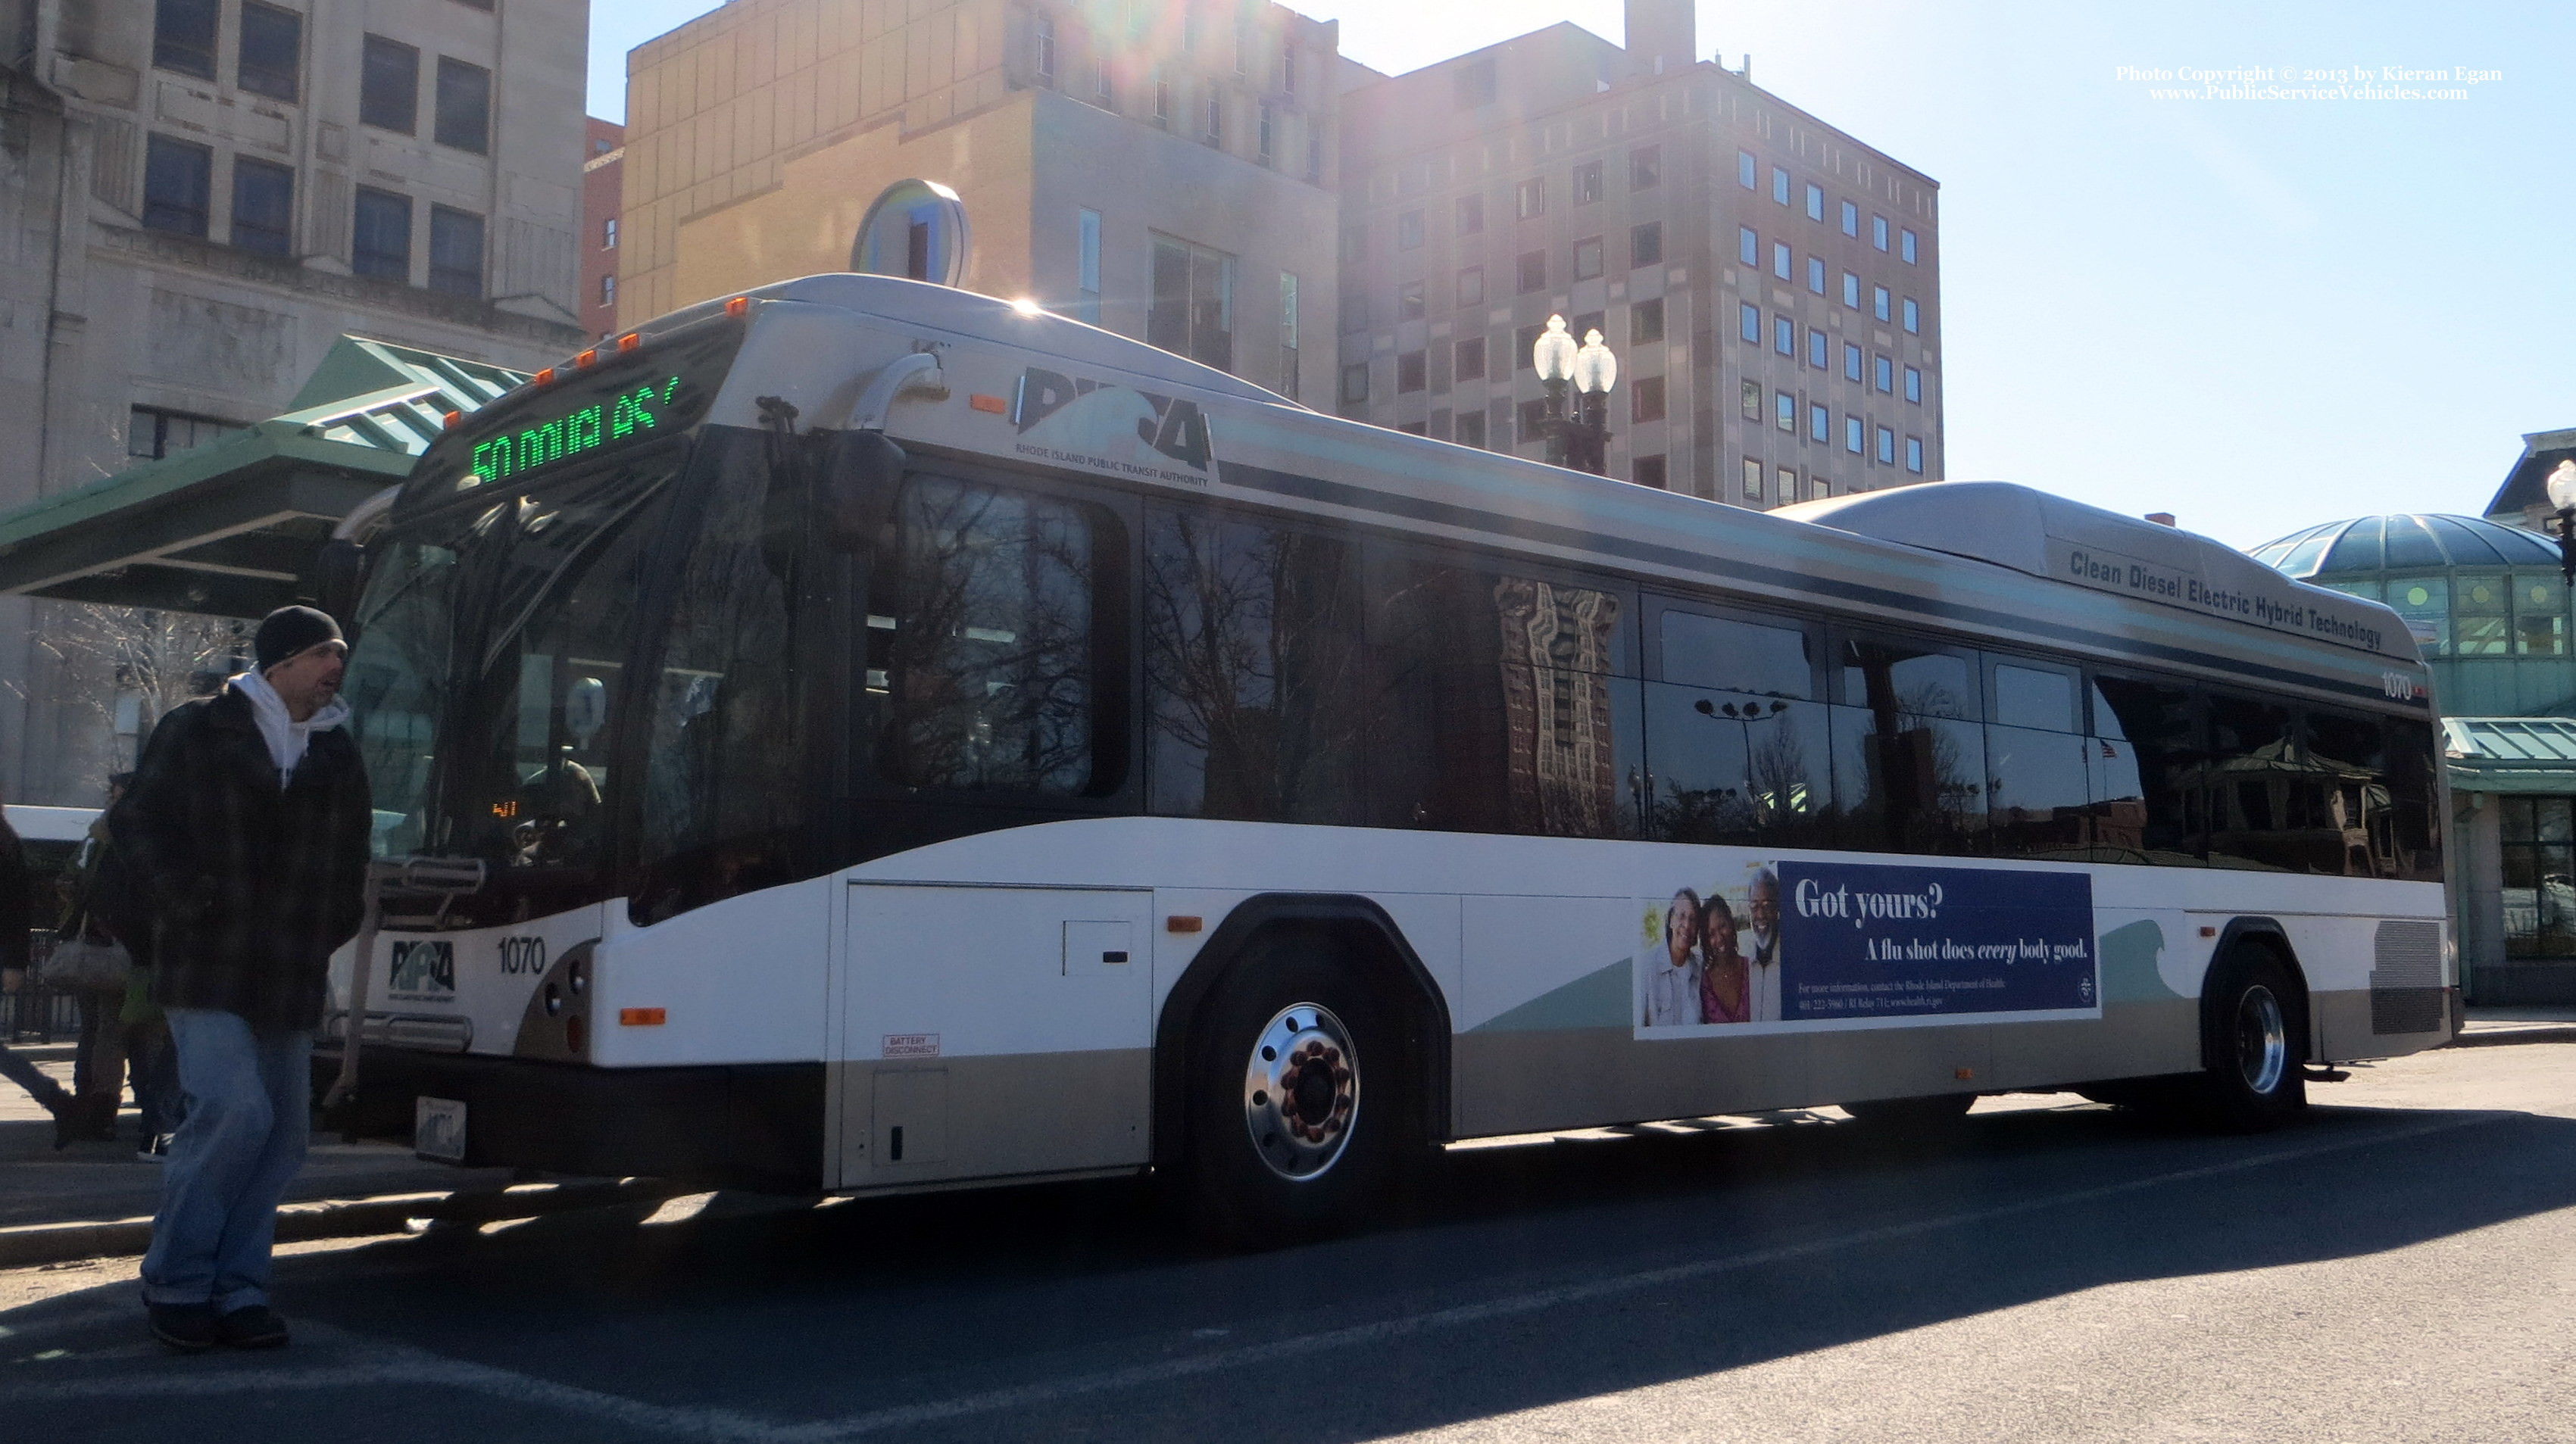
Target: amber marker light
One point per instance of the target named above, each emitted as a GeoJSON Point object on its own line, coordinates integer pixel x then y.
{"type": "Point", "coordinates": [449, 421]}
{"type": "Point", "coordinates": [629, 341]}
{"type": "Point", "coordinates": [545, 377]}
{"type": "Point", "coordinates": [993, 404]}
{"type": "Point", "coordinates": [640, 1017]}
{"type": "Point", "coordinates": [738, 306]}
{"type": "Point", "coordinates": [587, 358]}
{"type": "Point", "coordinates": [1181, 923]}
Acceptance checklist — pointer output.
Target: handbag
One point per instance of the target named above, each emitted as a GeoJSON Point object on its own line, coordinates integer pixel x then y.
{"type": "Point", "coordinates": [82, 964]}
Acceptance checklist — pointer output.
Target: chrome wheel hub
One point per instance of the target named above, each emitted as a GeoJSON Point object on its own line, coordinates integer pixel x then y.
{"type": "Point", "coordinates": [2262, 1040]}
{"type": "Point", "coordinates": [1301, 1092]}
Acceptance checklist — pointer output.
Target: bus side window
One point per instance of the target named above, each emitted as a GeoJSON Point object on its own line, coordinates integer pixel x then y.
{"type": "Point", "coordinates": [2350, 804]}
{"type": "Point", "coordinates": [2415, 799]}
{"type": "Point", "coordinates": [2261, 789]}
{"type": "Point", "coordinates": [1909, 757]}
{"type": "Point", "coordinates": [2146, 758]}
{"type": "Point", "coordinates": [1737, 744]}
{"type": "Point", "coordinates": [2036, 789]}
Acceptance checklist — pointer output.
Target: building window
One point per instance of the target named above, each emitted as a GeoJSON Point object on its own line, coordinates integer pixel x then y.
{"type": "Point", "coordinates": [1820, 425]}
{"type": "Point", "coordinates": [1780, 259]}
{"type": "Point", "coordinates": [1086, 266]}
{"type": "Point", "coordinates": [1914, 385]}
{"type": "Point", "coordinates": [1751, 317]}
{"type": "Point", "coordinates": [608, 289]}
{"type": "Point", "coordinates": [1588, 322]}
{"type": "Point", "coordinates": [271, 58]}
{"type": "Point", "coordinates": [1908, 238]}
{"type": "Point", "coordinates": [1261, 140]}
{"type": "Point", "coordinates": [608, 234]}
{"type": "Point", "coordinates": [1913, 317]}
{"type": "Point", "coordinates": [1779, 186]}
{"type": "Point", "coordinates": [183, 36]}
{"type": "Point", "coordinates": [1524, 343]}
{"type": "Point", "coordinates": [178, 183]}
{"type": "Point", "coordinates": [1412, 372]}
{"type": "Point", "coordinates": [1104, 91]}
{"type": "Point", "coordinates": [1878, 302]}
{"type": "Point", "coordinates": [1851, 219]}
{"type": "Point", "coordinates": [1645, 322]}
{"type": "Point", "coordinates": [1287, 333]}
{"type": "Point", "coordinates": [1815, 203]}
{"type": "Point", "coordinates": [1645, 167]}
{"type": "Point", "coordinates": [1646, 400]}
{"type": "Point", "coordinates": [1355, 311]}
{"type": "Point", "coordinates": [1288, 69]}
{"type": "Point", "coordinates": [1914, 454]}
{"type": "Point", "coordinates": [1748, 246]}
{"type": "Point", "coordinates": [1533, 272]}
{"type": "Point", "coordinates": [1471, 285]}
{"type": "Point", "coordinates": [1648, 471]}
{"type": "Point", "coordinates": [1243, 42]}
{"type": "Point", "coordinates": [1410, 301]}
{"type": "Point", "coordinates": [1878, 232]}
{"type": "Point", "coordinates": [1408, 231]}
{"type": "Point", "coordinates": [1784, 335]}
{"type": "Point", "coordinates": [1046, 48]}
{"type": "Point", "coordinates": [464, 106]}
{"type": "Point", "coordinates": [1162, 98]}
{"type": "Point", "coordinates": [1471, 215]}
{"type": "Point", "coordinates": [1784, 412]}
{"type": "Point", "coordinates": [1816, 274]}
{"type": "Point", "coordinates": [1646, 244]}
{"type": "Point", "coordinates": [1529, 198]}
{"type": "Point", "coordinates": [381, 243]}
{"type": "Point", "coordinates": [1748, 399]}
{"type": "Point", "coordinates": [152, 433]}
{"type": "Point", "coordinates": [1215, 135]}
{"type": "Point", "coordinates": [1851, 290]}
{"type": "Point", "coordinates": [263, 206]}
{"type": "Point", "coordinates": [1471, 429]}
{"type": "Point", "coordinates": [1747, 171]}
{"type": "Point", "coordinates": [1817, 349]}
{"type": "Point", "coordinates": [1885, 372]}
{"type": "Point", "coordinates": [1752, 479]}
{"type": "Point", "coordinates": [1533, 418]}
{"type": "Point", "coordinates": [1468, 362]}
{"type": "Point", "coordinates": [389, 85]}
{"type": "Point", "coordinates": [1355, 384]}
{"type": "Point", "coordinates": [1476, 83]}
{"type": "Point", "coordinates": [1192, 308]}
{"type": "Point", "coordinates": [1886, 446]}
{"type": "Point", "coordinates": [455, 252]}
{"type": "Point", "coordinates": [1852, 439]}
{"type": "Point", "coordinates": [1851, 362]}
{"type": "Point", "coordinates": [1587, 183]}
{"type": "Point", "coordinates": [1788, 479]}
{"type": "Point", "coordinates": [1587, 259]}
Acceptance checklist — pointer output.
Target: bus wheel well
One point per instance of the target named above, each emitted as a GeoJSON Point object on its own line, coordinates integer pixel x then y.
{"type": "Point", "coordinates": [1357, 930]}
{"type": "Point", "coordinates": [2269, 938]}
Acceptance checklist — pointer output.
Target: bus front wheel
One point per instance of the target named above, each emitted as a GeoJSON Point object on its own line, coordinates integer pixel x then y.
{"type": "Point", "coordinates": [1302, 1101]}
{"type": "Point", "coordinates": [2254, 1044]}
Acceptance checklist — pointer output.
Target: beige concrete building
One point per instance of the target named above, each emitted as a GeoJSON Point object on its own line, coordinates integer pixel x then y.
{"type": "Point", "coordinates": [203, 195]}
{"type": "Point", "coordinates": [1770, 284]}
{"type": "Point", "coordinates": [1163, 168]}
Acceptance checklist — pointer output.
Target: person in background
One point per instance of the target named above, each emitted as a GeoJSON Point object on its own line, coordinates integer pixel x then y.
{"type": "Point", "coordinates": [98, 1067]}
{"type": "Point", "coordinates": [245, 839]}
{"type": "Point", "coordinates": [15, 908]}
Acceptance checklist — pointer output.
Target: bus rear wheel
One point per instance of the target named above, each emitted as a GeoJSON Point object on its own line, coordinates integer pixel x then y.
{"type": "Point", "coordinates": [2253, 1045]}
{"type": "Point", "coordinates": [1302, 1099]}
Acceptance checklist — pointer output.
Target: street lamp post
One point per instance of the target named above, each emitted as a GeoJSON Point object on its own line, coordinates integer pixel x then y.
{"type": "Point", "coordinates": [2562, 501]}
{"type": "Point", "coordinates": [1581, 441]}
{"type": "Point", "coordinates": [1554, 355]}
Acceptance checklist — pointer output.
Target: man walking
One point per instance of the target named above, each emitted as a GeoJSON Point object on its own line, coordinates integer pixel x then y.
{"type": "Point", "coordinates": [246, 838]}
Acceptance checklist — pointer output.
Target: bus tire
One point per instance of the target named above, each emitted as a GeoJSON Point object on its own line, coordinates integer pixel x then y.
{"type": "Point", "coordinates": [2253, 1043]}
{"type": "Point", "coordinates": [1913, 1115]}
{"type": "Point", "coordinates": [1302, 1109]}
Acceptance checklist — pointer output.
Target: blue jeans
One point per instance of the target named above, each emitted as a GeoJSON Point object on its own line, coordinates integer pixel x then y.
{"type": "Point", "coordinates": [249, 1101]}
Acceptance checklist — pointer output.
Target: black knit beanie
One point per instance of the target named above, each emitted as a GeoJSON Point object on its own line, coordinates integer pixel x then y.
{"type": "Point", "coordinates": [289, 630]}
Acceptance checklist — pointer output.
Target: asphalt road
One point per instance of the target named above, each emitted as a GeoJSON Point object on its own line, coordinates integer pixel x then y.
{"type": "Point", "coordinates": [2401, 1266]}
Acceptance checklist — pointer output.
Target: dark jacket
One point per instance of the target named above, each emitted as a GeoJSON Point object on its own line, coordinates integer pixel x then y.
{"type": "Point", "coordinates": [249, 887]}
{"type": "Point", "coordinates": [16, 901]}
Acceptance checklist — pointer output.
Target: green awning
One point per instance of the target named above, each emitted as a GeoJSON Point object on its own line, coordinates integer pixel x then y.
{"type": "Point", "coordinates": [2511, 754]}
{"type": "Point", "coordinates": [236, 527]}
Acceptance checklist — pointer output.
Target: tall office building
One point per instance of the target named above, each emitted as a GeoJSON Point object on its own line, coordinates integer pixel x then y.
{"type": "Point", "coordinates": [1769, 284]}
{"type": "Point", "coordinates": [202, 196]}
{"type": "Point", "coordinates": [1164, 170]}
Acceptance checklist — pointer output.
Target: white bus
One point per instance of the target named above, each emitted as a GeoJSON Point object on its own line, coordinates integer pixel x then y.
{"type": "Point", "coordinates": [920, 742]}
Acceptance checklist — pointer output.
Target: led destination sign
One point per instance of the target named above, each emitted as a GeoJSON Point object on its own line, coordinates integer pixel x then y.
{"type": "Point", "coordinates": [625, 416]}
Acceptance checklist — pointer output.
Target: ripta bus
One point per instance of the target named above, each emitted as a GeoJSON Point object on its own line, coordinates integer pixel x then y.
{"type": "Point", "coordinates": [918, 742]}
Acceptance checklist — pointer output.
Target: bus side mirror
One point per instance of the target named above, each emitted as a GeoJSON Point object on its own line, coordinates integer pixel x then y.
{"type": "Point", "coordinates": [338, 577]}
{"type": "Point", "coordinates": [860, 472]}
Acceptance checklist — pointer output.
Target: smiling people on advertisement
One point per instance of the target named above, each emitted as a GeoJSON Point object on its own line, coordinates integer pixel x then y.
{"type": "Point", "coordinates": [1762, 904]}
{"type": "Point", "coordinates": [1671, 982]}
{"type": "Point", "coordinates": [1725, 987]}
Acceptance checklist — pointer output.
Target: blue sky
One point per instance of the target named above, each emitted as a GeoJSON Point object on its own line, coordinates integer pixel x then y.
{"type": "Point", "coordinates": [2253, 314]}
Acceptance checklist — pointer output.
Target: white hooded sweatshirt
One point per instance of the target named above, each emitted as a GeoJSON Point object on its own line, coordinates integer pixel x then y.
{"type": "Point", "coordinates": [286, 737]}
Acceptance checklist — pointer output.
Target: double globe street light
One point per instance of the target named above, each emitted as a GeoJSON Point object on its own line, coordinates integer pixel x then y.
{"type": "Point", "coordinates": [1582, 442]}
{"type": "Point", "coordinates": [2562, 504]}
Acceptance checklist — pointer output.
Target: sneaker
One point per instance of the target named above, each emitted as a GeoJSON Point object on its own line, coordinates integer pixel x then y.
{"type": "Point", "coordinates": [256, 1327]}
{"type": "Point", "coordinates": [155, 1149]}
{"type": "Point", "coordinates": [188, 1328]}
{"type": "Point", "coordinates": [68, 1119]}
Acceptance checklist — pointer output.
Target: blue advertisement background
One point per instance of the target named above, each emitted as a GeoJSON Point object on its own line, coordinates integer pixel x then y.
{"type": "Point", "coordinates": [1860, 940]}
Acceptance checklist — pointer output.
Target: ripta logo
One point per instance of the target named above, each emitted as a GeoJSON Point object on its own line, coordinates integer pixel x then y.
{"type": "Point", "coordinates": [1172, 427]}
{"type": "Point", "coordinates": [423, 972]}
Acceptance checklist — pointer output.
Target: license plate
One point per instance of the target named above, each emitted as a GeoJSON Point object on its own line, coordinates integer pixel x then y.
{"type": "Point", "coordinates": [438, 1129]}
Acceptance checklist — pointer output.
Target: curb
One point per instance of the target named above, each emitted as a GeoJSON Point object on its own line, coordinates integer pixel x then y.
{"type": "Point", "coordinates": [44, 1243]}
{"type": "Point", "coordinates": [2496, 1037]}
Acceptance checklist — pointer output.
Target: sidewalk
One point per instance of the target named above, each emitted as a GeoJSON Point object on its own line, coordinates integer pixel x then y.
{"type": "Point", "coordinates": [2487, 1026]}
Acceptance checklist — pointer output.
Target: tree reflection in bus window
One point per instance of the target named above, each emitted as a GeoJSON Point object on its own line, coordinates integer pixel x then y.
{"type": "Point", "coordinates": [2146, 761]}
{"type": "Point", "coordinates": [1740, 753]}
{"type": "Point", "coordinates": [397, 686]}
{"type": "Point", "coordinates": [986, 649]}
{"type": "Point", "coordinates": [1909, 760]}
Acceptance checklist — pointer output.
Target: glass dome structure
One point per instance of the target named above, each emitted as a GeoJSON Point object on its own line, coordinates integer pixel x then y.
{"type": "Point", "coordinates": [2467, 587]}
